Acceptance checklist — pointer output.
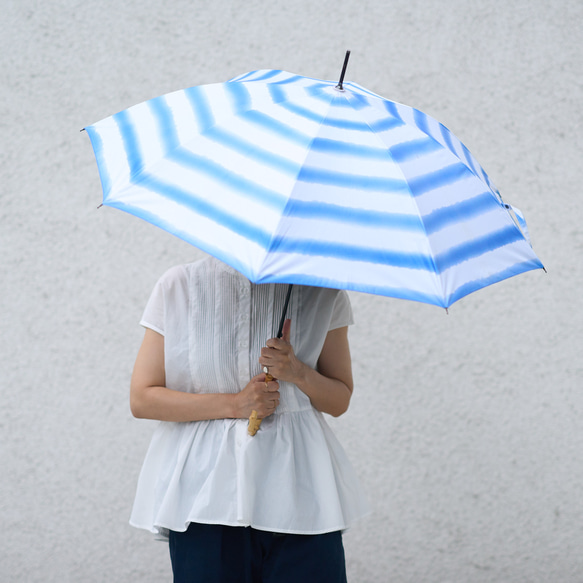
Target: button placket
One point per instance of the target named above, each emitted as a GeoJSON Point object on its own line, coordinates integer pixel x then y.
{"type": "Point", "coordinates": [244, 323]}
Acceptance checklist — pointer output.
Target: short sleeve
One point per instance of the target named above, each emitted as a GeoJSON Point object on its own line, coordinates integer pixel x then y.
{"type": "Point", "coordinates": [153, 316]}
{"type": "Point", "coordinates": [170, 288]}
{"type": "Point", "coordinates": [342, 311]}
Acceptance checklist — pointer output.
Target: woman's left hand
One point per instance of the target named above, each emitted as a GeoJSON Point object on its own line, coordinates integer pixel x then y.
{"type": "Point", "coordinates": [279, 357]}
{"type": "Point", "coordinates": [330, 386]}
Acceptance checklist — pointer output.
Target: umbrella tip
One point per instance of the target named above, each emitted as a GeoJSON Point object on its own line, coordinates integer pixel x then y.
{"type": "Point", "coordinates": [339, 86]}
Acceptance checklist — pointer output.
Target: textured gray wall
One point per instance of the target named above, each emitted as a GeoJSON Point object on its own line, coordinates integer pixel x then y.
{"type": "Point", "coordinates": [466, 428]}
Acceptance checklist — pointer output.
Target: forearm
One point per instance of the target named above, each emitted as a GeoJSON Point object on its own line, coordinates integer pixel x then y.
{"type": "Point", "coordinates": [328, 395]}
{"type": "Point", "coordinates": [164, 404]}
{"type": "Point", "coordinates": [330, 386]}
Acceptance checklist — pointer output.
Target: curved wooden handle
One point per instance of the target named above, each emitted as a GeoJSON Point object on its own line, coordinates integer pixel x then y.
{"type": "Point", "coordinates": [254, 424]}
{"type": "Point", "coordinates": [254, 421]}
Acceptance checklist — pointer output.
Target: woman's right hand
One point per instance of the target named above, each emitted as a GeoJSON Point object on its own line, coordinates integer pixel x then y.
{"type": "Point", "coordinates": [151, 399]}
{"type": "Point", "coordinates": [258, 395]}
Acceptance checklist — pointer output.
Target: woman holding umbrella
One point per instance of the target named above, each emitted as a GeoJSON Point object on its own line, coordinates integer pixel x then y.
{"type": "Point", "coordinates": [236, 507]}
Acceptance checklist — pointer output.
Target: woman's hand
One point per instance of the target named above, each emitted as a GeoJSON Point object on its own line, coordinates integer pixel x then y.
{"type": "Point", "coordinates": [151, 399]}
{"type": "Point", "coordinates": [330, 386]}
{"type": "Point", "coordinates": [258, 395]}
{"type": "Point", "coordinates": [279, 357]}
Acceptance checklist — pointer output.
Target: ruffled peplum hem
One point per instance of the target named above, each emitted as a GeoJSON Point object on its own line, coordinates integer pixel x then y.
{"type": "Point", "coordinates": [291, 477]}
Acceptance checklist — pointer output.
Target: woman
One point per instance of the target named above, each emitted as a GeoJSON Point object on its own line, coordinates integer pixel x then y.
{"type": "Point", "coordinates": [235, 507]}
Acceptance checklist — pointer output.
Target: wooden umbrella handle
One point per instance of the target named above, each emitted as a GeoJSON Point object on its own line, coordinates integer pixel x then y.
{"type": "Point", "coordinates": [254, 421]}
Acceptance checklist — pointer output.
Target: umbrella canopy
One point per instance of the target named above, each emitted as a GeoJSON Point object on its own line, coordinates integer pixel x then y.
{"type": "Point", "coordinates": [296, 180]}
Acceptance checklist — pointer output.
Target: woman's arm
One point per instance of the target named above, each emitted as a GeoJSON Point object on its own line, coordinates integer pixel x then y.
{"type": "Point", "coordinates": [151, 399]}
{"type": "Point", "coordinates": [330, 386]}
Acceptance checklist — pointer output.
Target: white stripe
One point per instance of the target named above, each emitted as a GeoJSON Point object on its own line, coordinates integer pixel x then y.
{"type": "Point", "coordinates": [182, 220]}
{"type": "Point", "coordinates": [468, 230]}
{"type": "Point", "coordinates": [390, 240]}
{"type": "Point", "coordinates": [486, 265]}
{"type": "Point", "coordinates": [250, 210]}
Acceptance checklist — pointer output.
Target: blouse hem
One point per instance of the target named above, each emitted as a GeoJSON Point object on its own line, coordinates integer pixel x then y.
{"type": "Point", "coordinates": [162, 531]}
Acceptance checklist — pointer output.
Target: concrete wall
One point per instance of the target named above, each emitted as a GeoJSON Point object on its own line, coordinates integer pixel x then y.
{"type": "Point", "coordinates": [466, 428]}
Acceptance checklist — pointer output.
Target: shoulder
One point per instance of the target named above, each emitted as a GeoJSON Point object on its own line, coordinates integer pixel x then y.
{"type": "Point", "coordinates": [180, 275]}
{"type": "Point", "coordinates": [331, 304]}
{"type": "Point", "coordinates": [324, 295]}
{"type": "Point", "coordinates": [174, 275]}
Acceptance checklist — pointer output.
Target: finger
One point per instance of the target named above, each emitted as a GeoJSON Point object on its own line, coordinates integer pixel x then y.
{"type": "Point", "coordinates": [277, 343]}
{"type": "Point", "coordinates": [286, 331]}
{"type": "Point", "coordinates": [266, 352]}
{"type": "Point", "coordinates": [272, 391]}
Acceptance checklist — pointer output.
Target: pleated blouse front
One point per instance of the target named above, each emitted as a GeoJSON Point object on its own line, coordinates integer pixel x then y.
{"type": "Point", "coordinates": [292, 476]}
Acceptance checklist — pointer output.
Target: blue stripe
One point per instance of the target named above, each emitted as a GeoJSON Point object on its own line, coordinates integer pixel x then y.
{"type": "Point", "coordinates": [280, 129]}
{"type": "Point", "coordinates": [385, 124]}
{"type": "Point", "coordinates": [391, 108]}
{"type": "Point", "coordinates": [240, 97]}
{"type": "Point", "coordinates": [361, 100]}
{"type": "Point", "coordinates": [186, 158]}
{"type": "Point", "coordinates": [277, 127]}
{"type": "Point", "coordinates": [478, 284]}
{"type": "Point", "coordinates": [165, 121]}
{"type": "Point", "coordinates": [447, 138]}
{"type": "Point", "coordinates": [331, 178]}
{"type": "Point", "coordinates": [250, 189]}
{"type": "Point", "coordinates": [353, 216]}
{"type": "Point", "coordinates": [443, 177]}
{"type": "Point", "coordinates": [357, 89]}
{"type": "Point", "coordinates": [336, 147]}
{"type": "Point", "coordinates": [252, 151]}
{"type": "Point", "coordinates": [267, 74]}
{"type": "Point", "coordinates": [421, 121]}
{"type": "Point", "coordinates": [328, 97]}
{"type": "Point", "coordinates": [290, 80]}
{"type": "Point", "coordinates": [205, 208]}
{"type": "Point", "coordinates": [467, 209]}
{"type": "Point", "coordinates": [345, 124]}
{"type": "Point", "coordinates": [381, 290]}
{"type": "Point", "coordinates": [130, 142]}
{"type": "Point", "coordinates": [346, 101]}
{"type": "Point", "coordinates": [97, 145]}
{"type": "Point", "coordinates": [477, 247]}
{"type": "Point", "coordinates": [469, 161]}
{"type": "Point", "coordinates": [205, 246]}
{"type": "Point", "coordinates": [277, 94]}
{"type": "Point", "coordinates": [242, 78]}
{"type": "Point", "coordinates": [200, 107]}
{"type": "Point", "coordinates": [352, 253]}
{"type": "Point", "coordinates": [413, 149]}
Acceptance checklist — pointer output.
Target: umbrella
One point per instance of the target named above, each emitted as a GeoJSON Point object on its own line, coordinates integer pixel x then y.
{"type": "Point", "coordinates": [296, 180]}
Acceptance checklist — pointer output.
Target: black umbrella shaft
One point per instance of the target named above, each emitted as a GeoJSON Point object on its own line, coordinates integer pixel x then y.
{"type": "Point", "coordinates": [285, 305]}
{"type": "Point", "coordinates": [339, 86]}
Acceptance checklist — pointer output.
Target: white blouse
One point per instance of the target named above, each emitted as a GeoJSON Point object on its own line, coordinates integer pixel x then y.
{"type": "Point", "coordinates": [292, 476]}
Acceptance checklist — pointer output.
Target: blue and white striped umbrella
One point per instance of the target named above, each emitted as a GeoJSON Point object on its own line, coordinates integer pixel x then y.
{"type": "Point", "coordinates": [290, 179]}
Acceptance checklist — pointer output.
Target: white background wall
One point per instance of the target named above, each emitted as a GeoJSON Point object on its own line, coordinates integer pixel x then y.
{"type": "Point", "coordinates": [466, 429]}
